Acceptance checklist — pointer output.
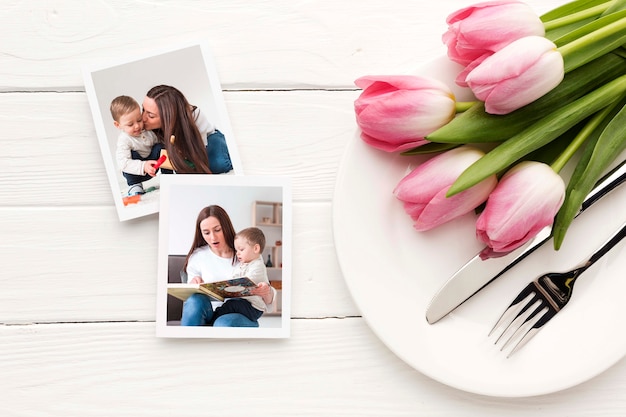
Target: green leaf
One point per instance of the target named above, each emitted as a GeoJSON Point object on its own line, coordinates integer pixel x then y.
{"type": "Point", "coordinates": [592, 40]}
{"type": "Point", "coordinates": [571, 8]}
{"type": "Point", "coordinates": [539, 134]}
{"type": "Point", "coordinates": [475, 125]}
{"type": "Point", "coordinates": [598, 154]}
{"type": "Point", "coordinates": [556, 33]}
{"type": "Point", "coordinates": [584, 132]}
{"type": "Point", "coordinates": [573, 15]}
{"type": "Point", "coordinates": [430, 148]}
{"type": "Point", "coordinates": [620, 52]}
{"type": "Point", "coordinates": [589, 28]}
{"type": "Point", "coordinates": [615, 6]}
{"type": "Point", "coordinates": [550, 152]}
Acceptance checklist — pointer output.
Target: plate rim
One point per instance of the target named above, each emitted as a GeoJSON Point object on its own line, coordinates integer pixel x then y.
{"type": "Point", "coordinates": [338, 195]}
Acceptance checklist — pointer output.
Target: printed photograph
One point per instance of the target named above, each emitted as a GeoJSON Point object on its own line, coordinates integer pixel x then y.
{"type": "Point", "coordinates": [224, 257]}
{"type": "Point", "coordinates": [159, 115]}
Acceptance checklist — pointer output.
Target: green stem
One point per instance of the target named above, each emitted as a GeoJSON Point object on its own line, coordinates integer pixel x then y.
{"type": "Point", "coordinates": [539, 134]}
{"type": "Point", "coordinates": [606, 34]}
{"type": "Point", "coordinates": [462, 106]}
{"type": "Point", "coordinates": [591, 38]}
{"type": "Point", "coordinates": [576, 17]}
{"type": "Point", "coordinates": [580, 138]}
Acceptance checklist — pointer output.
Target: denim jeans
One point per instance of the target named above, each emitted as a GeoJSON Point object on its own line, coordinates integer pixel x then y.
{"type": "Point", "coordinates": [198, 311]}
{"type": "Point", "coordinates": [217, 152]}
{"type": "Point", "coordinates": [154, 155]}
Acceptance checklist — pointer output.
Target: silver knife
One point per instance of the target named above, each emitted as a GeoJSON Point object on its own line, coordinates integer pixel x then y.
{"type": "Point", "coordinates": [478, 273]}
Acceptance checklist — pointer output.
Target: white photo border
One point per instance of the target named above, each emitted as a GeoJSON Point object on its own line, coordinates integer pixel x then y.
{"type": "Point", "coordinates": [182, 197]}
{"type": "Point", "coordinates": [189, 67]}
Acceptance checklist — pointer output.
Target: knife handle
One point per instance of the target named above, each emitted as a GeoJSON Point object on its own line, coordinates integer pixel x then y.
{"type": "Point", "coordinates": [456, 290]}
{"type": "Point", "coordinates": [607, 183]}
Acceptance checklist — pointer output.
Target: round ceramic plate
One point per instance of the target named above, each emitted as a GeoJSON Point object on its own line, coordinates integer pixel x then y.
{"type": "Point", "coordinates": [393, 272]}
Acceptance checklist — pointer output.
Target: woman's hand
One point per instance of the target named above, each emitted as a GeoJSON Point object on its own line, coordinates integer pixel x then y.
{"type": "Point", "coordinates": [196, 280]}
{"type": "Point", "coordinates": [264, 290]}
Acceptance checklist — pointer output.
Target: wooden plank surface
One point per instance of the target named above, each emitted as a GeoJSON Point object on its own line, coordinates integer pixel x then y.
{"type": "Point", "coordinates": [77, 286]}
{"type": "Point", "coordinates": [328, 367]}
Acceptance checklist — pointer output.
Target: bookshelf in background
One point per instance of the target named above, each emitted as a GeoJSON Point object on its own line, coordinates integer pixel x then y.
{"type": "Point", "coordinates": [268, 215]}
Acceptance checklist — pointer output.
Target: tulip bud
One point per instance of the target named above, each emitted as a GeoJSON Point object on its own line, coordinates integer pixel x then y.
{"type": "Point", "coordinates": [525, 201]}
{"type": "Point", "coordinates": [517, 74]}
{"type": "Point", "coordinates": [423, 191]}
{"type": "Point", "coordinates": [396, 112]}
{"type": "Point", "coordinates": [484, 28]}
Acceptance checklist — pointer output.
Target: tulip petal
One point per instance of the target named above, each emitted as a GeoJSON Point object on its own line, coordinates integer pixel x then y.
{"type": "Point", "coordinates": [487, 27]}
{"type": "Point", "coordinates": [395, 113]}
{"type": "Point", "coordinates": [524, 202]}
{"type": "Point", "coordinates": [380, 83]}
{"type": "Point", "coordinates": [423, 190]}
{"type": "Point", "coordinates": [439, 172]}
{"type": "Point", "coordinates": [442, 209]}
{"type": "Point", "coordinates": [414, 210]}
{"type": "Point", "coordinates": [517, 75]}
{"type": "Point", "coordinates": [388, 147]}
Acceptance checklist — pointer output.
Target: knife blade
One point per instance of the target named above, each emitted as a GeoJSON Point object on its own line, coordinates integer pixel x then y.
{"type": "Point", "coordinates": [477, 273]}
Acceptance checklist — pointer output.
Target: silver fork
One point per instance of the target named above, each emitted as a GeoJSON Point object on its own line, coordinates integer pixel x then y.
{"type": "Point", "coordinates": [543, 298]}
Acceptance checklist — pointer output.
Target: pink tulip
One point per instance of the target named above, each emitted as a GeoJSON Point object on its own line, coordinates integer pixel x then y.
{"type": "Point", "coordinates": [461, 76]}
{"type": "Point", "coordinates": [517, 74]}
{"type": "Point", "coordinates": [484, 28]}
{"type": "Point", "coordinates": [423, 191]}
{"type": "Point", "coordinates": [525, 201]}
{"type": "Point", "coordinates": [396, 112]}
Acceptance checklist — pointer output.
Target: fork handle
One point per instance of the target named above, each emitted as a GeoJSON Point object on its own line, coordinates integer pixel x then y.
{"type": "Point", "coordinates": [608, 245]}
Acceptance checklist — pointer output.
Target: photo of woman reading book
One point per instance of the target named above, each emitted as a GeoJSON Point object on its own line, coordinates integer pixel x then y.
{"type": "Point", "coordinates": [213, 257]}
{"type": "Point", "coordinates": [213, 240]}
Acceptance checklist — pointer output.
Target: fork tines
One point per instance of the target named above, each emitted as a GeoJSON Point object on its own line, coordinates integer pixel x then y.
{"type": "Point", "coordinates": [523, 318]}
{"type": "Point", "coordinates": [543, 298]}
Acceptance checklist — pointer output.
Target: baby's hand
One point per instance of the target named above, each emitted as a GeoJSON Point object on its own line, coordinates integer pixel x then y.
{"type": "Point", "coordinates": [196, 280]}
{"type": "Point", "coordinates": [148, 167]}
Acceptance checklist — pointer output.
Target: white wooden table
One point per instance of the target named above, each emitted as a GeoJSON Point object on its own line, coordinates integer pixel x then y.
{"type": "Point", "coordinates": [77, 288]}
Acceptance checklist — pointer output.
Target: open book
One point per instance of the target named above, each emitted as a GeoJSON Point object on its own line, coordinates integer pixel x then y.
{"type": "Point", "coordinates": [232, 288]}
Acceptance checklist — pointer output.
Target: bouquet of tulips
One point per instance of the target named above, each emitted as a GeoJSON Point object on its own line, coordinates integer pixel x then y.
{"type": "Point", "coordinates": [546, 87]}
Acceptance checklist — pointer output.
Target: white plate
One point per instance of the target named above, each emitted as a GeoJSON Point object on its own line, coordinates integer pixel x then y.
{"type": "Point", "coordinates": [393, 271]}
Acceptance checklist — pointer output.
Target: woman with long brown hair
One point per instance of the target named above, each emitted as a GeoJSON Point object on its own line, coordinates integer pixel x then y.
{"type": "Point", "coordinates": [193, 144]}
{"type": "Point", "coordinates": [212, 257]}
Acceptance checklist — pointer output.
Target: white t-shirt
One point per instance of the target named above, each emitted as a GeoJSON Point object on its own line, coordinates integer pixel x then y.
{"type": "Point", "coordinates": [205, 264]}
{"type": "Point", "coordinates": [204, 125]}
